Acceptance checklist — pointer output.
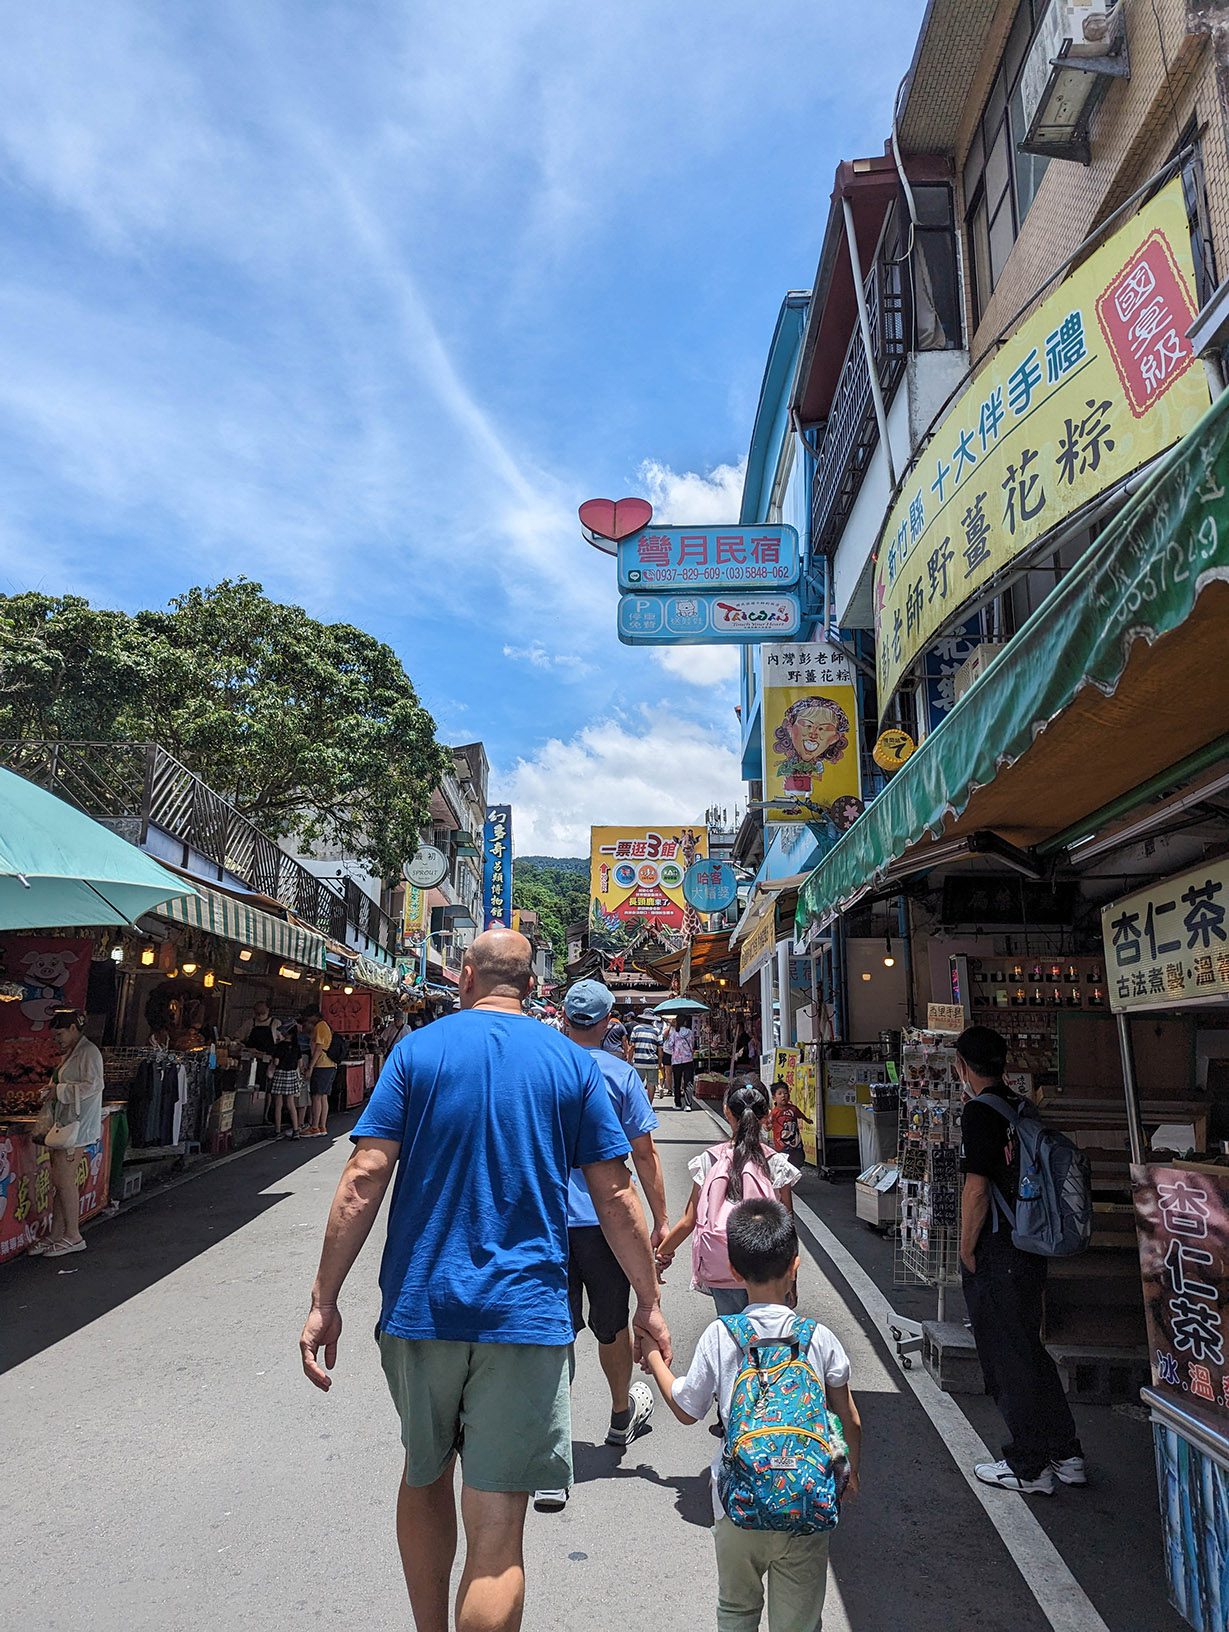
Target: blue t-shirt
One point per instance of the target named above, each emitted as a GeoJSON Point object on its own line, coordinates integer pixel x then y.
{"type": "Point", "coordinates": [492, 1111]}
{"type": "Point", "coordinates": [636, 1116]}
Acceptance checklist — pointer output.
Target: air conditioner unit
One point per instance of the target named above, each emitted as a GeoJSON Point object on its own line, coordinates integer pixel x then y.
{"type": "Point", "coordinates": [974, 666]}
{"type": "Point", "coordinates": [1079, 47]}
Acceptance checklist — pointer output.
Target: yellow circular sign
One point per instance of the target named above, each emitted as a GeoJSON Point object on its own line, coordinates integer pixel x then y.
{"type": "Point", "coordinates": [893, 749]}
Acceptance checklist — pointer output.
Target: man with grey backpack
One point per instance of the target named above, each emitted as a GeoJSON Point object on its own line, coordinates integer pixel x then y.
{"type": "Point", "coordinates": [1026, 1198]}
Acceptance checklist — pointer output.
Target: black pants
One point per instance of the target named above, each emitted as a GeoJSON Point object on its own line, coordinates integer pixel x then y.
{"type": "Point", "coordinates": [1004, 1300]}
{"type": "Point", "coordinates": [684, 1076]}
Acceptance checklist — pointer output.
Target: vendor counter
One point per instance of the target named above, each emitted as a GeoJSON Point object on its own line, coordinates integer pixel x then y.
{"type": "Point", "coordinates": [25, 1182]}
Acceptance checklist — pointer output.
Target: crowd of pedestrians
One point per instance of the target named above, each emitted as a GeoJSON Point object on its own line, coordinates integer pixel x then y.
{"type": "Point", "coordinates": [514, 1223]}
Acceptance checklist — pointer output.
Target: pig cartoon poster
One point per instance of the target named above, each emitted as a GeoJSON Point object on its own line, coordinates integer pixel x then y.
{"type": "Point", "coordinates": [53, 972]}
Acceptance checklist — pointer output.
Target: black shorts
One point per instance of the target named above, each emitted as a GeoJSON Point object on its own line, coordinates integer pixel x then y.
{"type": "Point", "coordinates": [594, 1273]}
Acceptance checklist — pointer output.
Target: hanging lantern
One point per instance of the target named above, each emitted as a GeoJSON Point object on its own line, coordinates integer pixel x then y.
{"type": "Point", "coordinates": [893, 749]}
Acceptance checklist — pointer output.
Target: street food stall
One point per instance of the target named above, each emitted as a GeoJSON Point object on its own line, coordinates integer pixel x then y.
{"type": "Point", "coordinates": [1167, 949]}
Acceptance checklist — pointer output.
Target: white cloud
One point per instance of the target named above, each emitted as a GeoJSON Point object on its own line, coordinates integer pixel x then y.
{"type": "Point", "coordinates": [667, 769]}
{"type": "Point", "coordinates": [686, 497]}
{"type": "Point", "coordinates": [700, 665]}
{"type": "Point", "coordinates": [536, 655]}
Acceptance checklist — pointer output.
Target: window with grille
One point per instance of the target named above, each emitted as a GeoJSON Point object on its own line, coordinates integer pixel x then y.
{"type": "Point", "coordinates": [1000, 182]}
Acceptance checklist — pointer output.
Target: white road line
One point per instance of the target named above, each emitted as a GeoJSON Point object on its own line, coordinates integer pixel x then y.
{"type": "Point", "coordinates": [1061, 1599]}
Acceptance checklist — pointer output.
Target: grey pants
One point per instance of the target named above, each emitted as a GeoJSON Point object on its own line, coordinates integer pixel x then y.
{"type": "Point", "coordinates": [796, 1568]}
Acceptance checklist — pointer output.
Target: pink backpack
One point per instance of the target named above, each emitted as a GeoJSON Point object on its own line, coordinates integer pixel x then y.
{"type": "Point", "coordinates": [710, 1257]}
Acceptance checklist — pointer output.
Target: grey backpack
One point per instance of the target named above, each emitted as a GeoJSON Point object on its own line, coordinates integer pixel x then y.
{"type": "Point", "coordinates": [1052, 1217]}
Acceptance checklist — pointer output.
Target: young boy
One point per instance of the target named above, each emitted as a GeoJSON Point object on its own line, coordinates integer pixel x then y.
{"type": "Point", "coordinates": [764, 1256]}
{"type": "Point", "coordinates": [784, 1119]}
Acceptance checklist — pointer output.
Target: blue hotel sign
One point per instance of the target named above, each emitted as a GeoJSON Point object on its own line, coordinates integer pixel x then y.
{"type": "Point", "coordinates": [708, 618]}
{"type": "Point", "coordinates": [663, 559]}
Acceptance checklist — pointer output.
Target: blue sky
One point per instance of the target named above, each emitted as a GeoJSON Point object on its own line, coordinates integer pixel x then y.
{"type": "Point", "coordinates": [362, 299]}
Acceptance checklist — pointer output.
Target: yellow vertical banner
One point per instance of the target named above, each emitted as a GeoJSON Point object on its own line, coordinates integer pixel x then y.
{"type": "Point", "coordinates": [810, 730]}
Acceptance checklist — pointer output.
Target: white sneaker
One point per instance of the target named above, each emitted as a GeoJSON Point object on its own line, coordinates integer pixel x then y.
{"type": "Point", "coordinates": [1070, 1470]}
{"type": "Point", "coordinates": [549, 1501]}
{"type": "Point", "coordinates": [640, 1396]}
{"type": "Point", "coordinates": [1000, 1475]}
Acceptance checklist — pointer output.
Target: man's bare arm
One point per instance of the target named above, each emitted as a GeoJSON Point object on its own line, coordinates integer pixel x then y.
{"type": "Point", "coordinates": [622, 1219]}
{"type": "Point", "coordinates": [648, 1167]}
{"type": "Point", "coordinates": [974, 1207]}
{"type": "Point", "coordinates": [360, 1191]}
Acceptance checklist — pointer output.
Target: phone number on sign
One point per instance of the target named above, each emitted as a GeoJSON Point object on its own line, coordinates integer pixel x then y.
{"type": "Point", "coordinates": [753, 574]}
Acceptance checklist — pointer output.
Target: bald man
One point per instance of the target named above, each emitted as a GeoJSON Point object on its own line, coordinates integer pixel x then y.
{"type": "Point", "coordinates": [481, 1117]}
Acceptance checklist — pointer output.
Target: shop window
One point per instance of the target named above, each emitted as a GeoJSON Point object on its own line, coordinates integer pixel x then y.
{"type": "Point", "coordinates": [934, 278]}
{"type": "Point", "coordinates": [1000, 182]}
{"type": "Point", "coordinates": [1195, 192]}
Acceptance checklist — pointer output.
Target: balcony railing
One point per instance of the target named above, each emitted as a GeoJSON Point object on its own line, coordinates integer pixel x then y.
{"type": "Point", "coordinates": [851, 433]}
{"type": "Point", "coordinates": [141, 784]}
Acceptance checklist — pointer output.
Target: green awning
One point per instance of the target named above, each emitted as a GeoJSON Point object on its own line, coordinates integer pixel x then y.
{"type": "Point", "coordinates": [234, 920]}
{"type": "Point", "coordinates": [1120, 674]}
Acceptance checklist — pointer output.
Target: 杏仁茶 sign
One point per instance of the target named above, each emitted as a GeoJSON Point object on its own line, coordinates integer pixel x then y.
{"type": "Point", "coordinates": [1096, 382]}
{"type": "Point", "coordinates": [1169, 944]}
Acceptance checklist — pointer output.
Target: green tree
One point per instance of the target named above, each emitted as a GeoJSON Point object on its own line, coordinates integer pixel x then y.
{"type": "Point", "coordinates": [558, 891]}
{"type": "Point", "coordinates": [312, 730]}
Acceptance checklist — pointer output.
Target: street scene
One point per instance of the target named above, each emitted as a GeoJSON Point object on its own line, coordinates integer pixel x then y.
{"type": "Point", "coordinates": [614, 817]}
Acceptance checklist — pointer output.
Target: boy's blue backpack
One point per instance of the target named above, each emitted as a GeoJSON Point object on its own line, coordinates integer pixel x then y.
{"type": "Point", "coordinates": [782, 1465]}
{"type": "Point", "coordinates": [1052, 1217]}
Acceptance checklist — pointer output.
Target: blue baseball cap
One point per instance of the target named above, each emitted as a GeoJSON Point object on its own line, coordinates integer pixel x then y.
{"type": "Point", "coordinates": [588, 1002]}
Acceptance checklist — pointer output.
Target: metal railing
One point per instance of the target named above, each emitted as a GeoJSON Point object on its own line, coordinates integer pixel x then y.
{"type": "Point", "coordinates": [140, 782]}
{"type": "Point", "coordinates": [851, 434]}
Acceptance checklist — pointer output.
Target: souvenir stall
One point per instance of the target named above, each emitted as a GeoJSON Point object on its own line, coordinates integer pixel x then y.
{"type": "Point", "coordinates": [39, 973]}
{"type": "Point", "coordinates": [349, 1011]}
{"type": "Point", "coordinates": [1166, 951]}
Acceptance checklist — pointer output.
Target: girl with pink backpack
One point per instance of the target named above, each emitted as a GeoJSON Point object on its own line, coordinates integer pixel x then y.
{"type": "Point", "coordinates": [736, 1170]}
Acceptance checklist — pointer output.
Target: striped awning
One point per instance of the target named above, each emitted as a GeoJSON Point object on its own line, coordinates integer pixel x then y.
{"type": "Point", "coordinates": [233, 920]}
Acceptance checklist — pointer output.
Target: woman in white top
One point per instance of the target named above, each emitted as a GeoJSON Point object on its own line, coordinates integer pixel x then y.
{"type": "Point", "coordinates": [75, 1095]}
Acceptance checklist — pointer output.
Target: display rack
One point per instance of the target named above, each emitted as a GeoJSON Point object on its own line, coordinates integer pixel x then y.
{"type": "Point", "coordinates": [928, 1239]}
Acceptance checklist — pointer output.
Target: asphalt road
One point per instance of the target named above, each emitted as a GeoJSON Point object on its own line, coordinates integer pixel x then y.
{"type": "Point", "coordinates": [167, 1466]}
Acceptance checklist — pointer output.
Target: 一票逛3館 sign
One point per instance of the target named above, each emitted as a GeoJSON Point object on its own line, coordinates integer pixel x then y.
{"type": "Point", "coordinates": [1096, 382]}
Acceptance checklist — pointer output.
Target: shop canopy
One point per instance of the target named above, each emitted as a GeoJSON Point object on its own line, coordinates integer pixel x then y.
{"type": "Point", "coordinates": [233, 920]}
{"type": "Point", "coordinates": [1120, 676]}
{"type": "Point", "coordinates": [59, 868]}
{"type": "Point", "coordinates": [382, 976]}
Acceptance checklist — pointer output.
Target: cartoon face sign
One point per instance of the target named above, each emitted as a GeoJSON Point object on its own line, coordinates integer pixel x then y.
{"type": "Point", "coordinates": [48, 968]}
{"type": "Point", "coordinates": [812, 731]}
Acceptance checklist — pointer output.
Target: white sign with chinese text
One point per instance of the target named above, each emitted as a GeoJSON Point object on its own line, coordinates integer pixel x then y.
{"type": "Point", "coordinates": [1169, 944]}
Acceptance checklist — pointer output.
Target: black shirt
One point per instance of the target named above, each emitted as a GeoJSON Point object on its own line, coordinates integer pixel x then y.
{"type": "Point", "coordinates": [990, 1145]}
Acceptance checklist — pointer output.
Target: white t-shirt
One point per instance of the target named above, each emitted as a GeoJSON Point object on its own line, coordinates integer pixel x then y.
{"type": "Point", "coordinates": [718, 1360]}
{"type": "Point", "coordinates": [782, 1173]}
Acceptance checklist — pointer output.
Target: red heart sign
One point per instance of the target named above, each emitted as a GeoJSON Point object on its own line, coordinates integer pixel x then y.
{"type": "Point", "coordinates": [615, 518]}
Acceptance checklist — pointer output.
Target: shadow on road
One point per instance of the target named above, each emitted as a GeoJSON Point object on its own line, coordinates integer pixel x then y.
{"type": "Point", "coordinates": [693, 1503]}
{"type": "Point", "coordinates": [44, 1300]}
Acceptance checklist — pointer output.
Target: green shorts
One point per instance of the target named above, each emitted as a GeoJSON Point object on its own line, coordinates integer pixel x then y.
{"type": "Point", "coordinates": [503, 1407]}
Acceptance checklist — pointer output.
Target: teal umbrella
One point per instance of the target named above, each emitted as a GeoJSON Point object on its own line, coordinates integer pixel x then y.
{"type": "Point", "coordinates": [681, 1005]}
{"type": "Point", "coordinates": [60, 868]}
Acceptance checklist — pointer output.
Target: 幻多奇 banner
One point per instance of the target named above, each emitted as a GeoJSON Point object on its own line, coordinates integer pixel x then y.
{"type": "Point", "coordinates": [1096, 382]}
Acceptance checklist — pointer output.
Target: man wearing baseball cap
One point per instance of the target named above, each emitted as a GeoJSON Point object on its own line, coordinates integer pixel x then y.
{"type": "Point", "coordinates": [595, 1276]}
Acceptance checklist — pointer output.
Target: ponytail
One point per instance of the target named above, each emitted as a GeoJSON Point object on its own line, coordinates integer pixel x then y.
{"type": "Point", "coordinates": [748, 1104]}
